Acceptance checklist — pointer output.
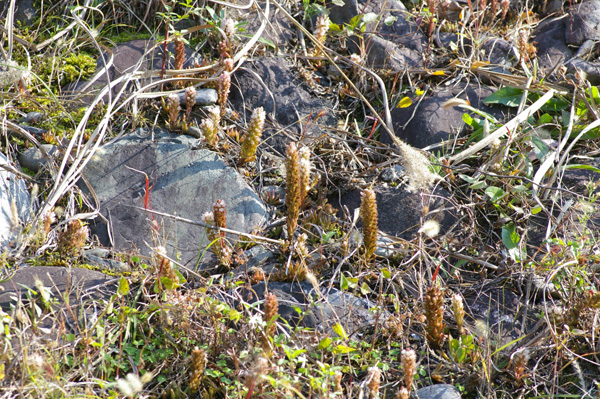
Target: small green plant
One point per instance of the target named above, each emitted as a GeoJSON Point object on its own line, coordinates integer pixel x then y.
{"type": "Point", "coordinates": [463, 348]}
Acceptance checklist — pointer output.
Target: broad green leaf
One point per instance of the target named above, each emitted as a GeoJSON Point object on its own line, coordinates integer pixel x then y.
{"type": "Point", "coordinates": [339, 330]}
{"type": "Point", "coordinates": [343, 349]}
{"type": "Point", "coordinates": [495, 193]}
{"type": "Point", "coordinates": [339, 3]}
{"type": "Point", "coordinates": [364, 289]}
{"type": "Point", "coordinates": [123, 287]}
{"type": "Point", "coordinates": [324, 343]}
{"type": "Point", "coordinates": [509, 96]}
{"type": "Point", "coordinates": [536, 209]}
{"type": "Point", "coordinates": [584, 167]}
{"type": "Point", "coordinates": [511, 238]}
{"type": "Point", "coordinates": [386, 273]}
{"type": "Point", "coordinates": [467, 119]}
{"type": "Point", "coordinates": [404, 103]}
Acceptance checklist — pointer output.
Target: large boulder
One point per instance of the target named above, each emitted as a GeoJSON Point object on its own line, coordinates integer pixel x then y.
{"type": "Point", "coordinates": [181, 181]}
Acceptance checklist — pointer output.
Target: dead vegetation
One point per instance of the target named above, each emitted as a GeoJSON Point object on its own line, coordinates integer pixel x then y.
{"type": "Point", "coordinates": [444, 310]}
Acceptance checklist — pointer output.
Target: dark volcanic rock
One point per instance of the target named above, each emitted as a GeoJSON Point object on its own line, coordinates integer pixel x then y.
{"type": "Point", "coordinates": [183, 182]}
{"type": "Point", "coordinates": [270, 83]}
{"type": "Point", "coordinates": [552, 48]}
{"type": "Point", "coordinates": [584, 23]}
{"type": "Point", "coordinates": [432, 124]}
{"type": "Point", "coordinates": [400, 212]}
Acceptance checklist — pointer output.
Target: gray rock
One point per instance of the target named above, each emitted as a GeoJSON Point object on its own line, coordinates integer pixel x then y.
{"type": "Point", "coordinates": [32, 118]}
{"type": "Point", "coordinates": [78, 283]}
{"type": "Point", "coordinates": [591, 70]}
{"type": "Point", "coordinates": [12, 190]}
{"type": "Point", "coordinates": [319, 313]}
{"type": "Point", "coordinates": [584, 23]}
{"type": "Point", "coordinates": [203, 97]}
{"type": "Point", "coordinates": [385, 247]}
{"type": "Point", "coordinates": [432, 124]}
{"type": "Point", "coordinates": [126, 57]}
{"type": "Point", "coordinates": [278, 31]}
{"type": "Point", "coordinates": [552, 48]}
{"type": "Point", "coordinates": [258, 256]}
{"type": "Point", "coordinates": [392, 174]}
{"type": "Point", "coordinates": [183, 182]}
{"type": "Point", "coordinates": [440, 391]}
{"type": "Point", "coordinates": [33, 159]}
{"type": "Point", "coordinates": [499, 52]}
{"type": "Point", "coordinates": [100, 257]}
{"type": "Point", "coordinates": [385, 54]}
{"type": "Point", "coordinates": [271, 83]}
{"type": "Point", "coordinates": [25, 11]}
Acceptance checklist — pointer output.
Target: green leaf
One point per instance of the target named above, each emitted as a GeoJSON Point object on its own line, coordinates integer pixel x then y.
{"type": "Point", "coordinates": [495, 193]}
{"type": "Point", "coordinates": [511, 239]}
{"type": "Point", "coordinates": [339, 349]}
{"type": "Point", "coordinates": [369, 17]}
{"type": "Point", "coordinates": [386, 273]}
{"type": "Point", "coordinates": [343, 282]}
{"type": "Point", "coordinates": [324, 343]}
{"type": "Point", "coordinates": [584, 167]}
{"type": "Point", "coordinates": [364, 289]}
{"type": "Point", "coordinates": [468, 119]}
{"type": "Point", "coordinates": [509, 96]}
{"type": "Point", "coordinates": [339, 3]}
{"type": "Point", "coordinates": [123, 287]}
{"type": "Point", "coordinates": [389, 21]}
{"type": "Point", "coordinates": [536, 209]}
{"type": "Point", "coordinates": [339, 330]}
{"type": "Point", "coordinates": [545, 118]}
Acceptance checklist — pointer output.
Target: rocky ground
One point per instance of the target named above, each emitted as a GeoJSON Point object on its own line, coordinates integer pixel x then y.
{"type": "Point", "coordinates": [433, 235]}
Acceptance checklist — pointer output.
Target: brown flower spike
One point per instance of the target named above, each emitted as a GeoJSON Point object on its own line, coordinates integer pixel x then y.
{"type": "Point", "coordinates": [224, 85]}
{"type": "Point", "coordinates": [292, 186]}
{"type": "Point", "coordinates": [434, 313]}
{"type": "Point", "coordinates": [252, 137]}
{"type": "Point", "coordinates": [368, 211]}
{"type": "Point", "coordinates": [271, 310]}
{"type": "Point", "coordinates": [197, 368]}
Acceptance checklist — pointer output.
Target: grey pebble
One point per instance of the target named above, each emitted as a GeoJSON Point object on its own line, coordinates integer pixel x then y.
{"type": "Point", "coordinates": [203, 97]}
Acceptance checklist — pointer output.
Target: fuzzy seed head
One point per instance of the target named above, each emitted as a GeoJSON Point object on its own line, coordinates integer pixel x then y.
{"type": "Point", "coordinates": [431, 228]}
{"type": "Point", "coordinates": [73, 239]}
{"type": "Point", "coordinates": [417, 169]}
{"type": "Point", "coordinates": [11, 73]}
{"type": "Point", "coordinates": [252, 137]}
{"type": "Point", "coordinates": [208, 218]}
{"type": "Point", "coordinates": [368, 211]}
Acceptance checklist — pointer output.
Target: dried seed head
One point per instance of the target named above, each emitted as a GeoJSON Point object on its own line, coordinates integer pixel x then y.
{"type": "Point", "coordinates": [402, 393]}
{"type": "Point", "coordinates": [337, 381]}
{"type": "Point", "coordinates": [416, 166]}
{"type": "Point", "coordinates": [73, 239]}
{"type": "Point", "coordinates": [190, 101]}
{"type": "Point", "coordinates": [305, 169]}
{"type": "Point", "coordinates": [228, 27]}
{"type": "Point", "coordinates": [374, 380]}
{"type": "Point", "coordinates": [173, 108]}
{"type": "Point", "coordinates": [408, 360]}
{"type": "Point", "coordinates": [270, 312]}
{"type": "Point", "coordinates": [179, 53]}
{"type": "Point", "coordinates": [519, 364]}
{"type": "Point", "coordinates": [219, 211]}
{"type": "Point", "coordinates": [322, 27]}
{"type": "Point", "coordinates": [368, 211]}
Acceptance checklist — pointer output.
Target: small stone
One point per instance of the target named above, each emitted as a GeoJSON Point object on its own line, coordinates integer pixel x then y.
{"type": "Point", "coordinates": [385, 247]}
{"type": "Point", "coordinates": [203, 97]}
{"type": "Point", "coordinates": [33, 159]}
{"type": "Point", "coordinates": [392, 174]}
{"type": "Point", "coordinates": [440, 391]}
{"type": "Point", "coordinates": [32, 118]}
